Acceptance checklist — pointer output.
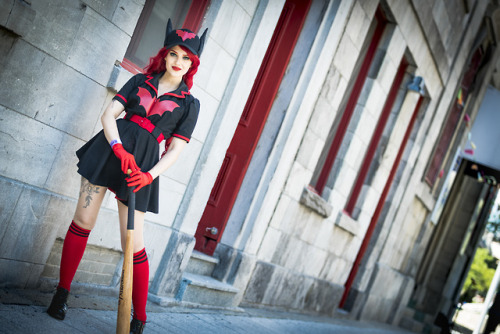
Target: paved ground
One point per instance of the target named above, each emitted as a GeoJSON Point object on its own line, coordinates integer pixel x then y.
{"type": "Point", "coordinates": [23, 311]}
{"type": "Point", "coordinates": [468, 317]}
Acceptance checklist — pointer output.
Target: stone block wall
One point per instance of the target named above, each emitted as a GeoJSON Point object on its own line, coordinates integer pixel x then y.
{"type": "Point", "coordinates": [296, 232]}
{"type": "Point", "coordinates": [29, 226]}
{"type": "Point", "coordinates": [58, 72]}
{"type": "Point", "coordinates": [278, 287]}
{"type": "Point", "coordinates": [404, 236]}
{"type": "Point", "coordinates": [297, 238]}
{"type": "Point", "coordinates": [98, 265]}
{"type": "Point", "coordinates": [230, 63]}
{"type": "Point", "coordinates": [223, 83]}
{"type": "Point", "coordinates": [57, 57]}
{"type": "Point", "coordinates": [444, 24]}
{"type": "Point", "coordinates": [407, 229]}
{"type": "Point", "coordinates": [362, 127]}
{"type": "Point", "coordinates": [385, 302]}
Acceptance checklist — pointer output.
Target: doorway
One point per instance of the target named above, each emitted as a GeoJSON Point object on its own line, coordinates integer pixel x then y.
{"type": "Point", "coordinates": [250, 126]}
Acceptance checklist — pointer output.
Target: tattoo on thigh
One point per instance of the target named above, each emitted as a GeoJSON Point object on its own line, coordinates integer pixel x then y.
{"type": "Point", "coordinates": [89, 189]}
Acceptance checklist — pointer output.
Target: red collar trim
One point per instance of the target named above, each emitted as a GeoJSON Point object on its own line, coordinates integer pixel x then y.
{"type": "Point", "coordinates": [182, 96]}
{"type": "Point", "coordinates": [150, 84]}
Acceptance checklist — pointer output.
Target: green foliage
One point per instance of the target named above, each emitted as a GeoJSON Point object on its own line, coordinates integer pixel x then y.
{"type": "Point", "coordinates": [480, 275]}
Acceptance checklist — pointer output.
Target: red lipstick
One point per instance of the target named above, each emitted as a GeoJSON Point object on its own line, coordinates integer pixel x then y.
{"type": "Point", "coordinates": [175, 68]}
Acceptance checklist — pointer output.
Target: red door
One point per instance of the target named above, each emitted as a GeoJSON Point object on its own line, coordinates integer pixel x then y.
{"type": "Point", "coordinates": [253, 118]}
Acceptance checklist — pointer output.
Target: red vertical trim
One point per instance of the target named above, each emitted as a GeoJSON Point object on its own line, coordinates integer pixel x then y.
{"type": "Point", "coordinates": [380, 206]}
{"type": "Point", "coordinates": [351, 104]}
{"type": "Point", "coordinates": [252, 122]}
{"type": "Point", "coordinates": [377, 135]}
{"type": "Point", "coordinates": [130, 66]}
{"type": "Point", "coordinates": [194, 15]}
{"type": "Point", "coordinates": [453, 119]}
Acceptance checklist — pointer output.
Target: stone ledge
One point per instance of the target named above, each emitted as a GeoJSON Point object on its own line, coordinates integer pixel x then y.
{"type": "Point", "coordinates": [119, 77]}
{"type": "Point", "coordinates": [201, 264]}
{"type": "Point", "coordinates": [203, 257]}
{"type": "Point", "coordinates": [347, 223]}
{"type": "Point", "coordinates": [20, 17]}
{"type": "Point", "coordinates": [315, 202]}
{"type": "Point", "coordinates": [172, 302]}
{"type": "Point", "coordinates": [424, 194]}
{"type": "Point", "coordinates": [208, 283]}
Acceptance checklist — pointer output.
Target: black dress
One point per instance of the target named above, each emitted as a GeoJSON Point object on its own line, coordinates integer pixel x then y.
{"type": "Point", "coordinates": [174, 114]}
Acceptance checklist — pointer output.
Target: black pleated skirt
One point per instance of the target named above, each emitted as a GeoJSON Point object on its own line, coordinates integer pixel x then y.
{"type": "Point", "coordinates": [98, 164]}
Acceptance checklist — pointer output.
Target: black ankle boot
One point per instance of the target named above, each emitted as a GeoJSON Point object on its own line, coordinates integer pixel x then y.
{"type": "Point", "coordinates": [136, 326]}
{"type": "Point", "coordinates": [58, 306]}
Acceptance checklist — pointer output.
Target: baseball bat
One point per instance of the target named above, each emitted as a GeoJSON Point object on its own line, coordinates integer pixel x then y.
{"type": "Point", "coordinates": [125, 297]}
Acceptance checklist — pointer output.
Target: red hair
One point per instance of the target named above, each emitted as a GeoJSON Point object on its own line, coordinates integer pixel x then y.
{"type": "Point", "coordinates": [157, 65]}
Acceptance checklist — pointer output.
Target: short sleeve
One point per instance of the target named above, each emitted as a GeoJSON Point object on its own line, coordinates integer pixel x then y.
{"type": "Point", "coordinates": [185, 127]}
{"type": "Point", "coordinates": [123, 94]}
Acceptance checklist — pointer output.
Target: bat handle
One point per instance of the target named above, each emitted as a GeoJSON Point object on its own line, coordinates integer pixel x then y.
{"type": "Point", "coordinates": [131, 208]}
{"type": "Point", "coordinates": [124, 300]}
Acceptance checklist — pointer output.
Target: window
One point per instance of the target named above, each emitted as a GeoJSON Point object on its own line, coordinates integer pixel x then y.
{"type": "Point", "coordinates": [325, 170]}
{"type": "Point", "coordinates": [149, 32]}
{"type": "Point", "coordinates": [453, 120]}
{"type": "Point", "coordinates": [375, 140]}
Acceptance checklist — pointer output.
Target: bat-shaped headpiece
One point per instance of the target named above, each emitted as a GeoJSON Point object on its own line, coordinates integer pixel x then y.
{"type": "Point", "coordinates": [184, 37]}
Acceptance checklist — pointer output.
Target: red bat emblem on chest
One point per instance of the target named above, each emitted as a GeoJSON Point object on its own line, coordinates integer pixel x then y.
{"type": "Point", "coordinates": [152, 105]}
{"type": "Point", "coordinates": [185, 35]}
{"type": "Point", "coordinates": [161, 106]}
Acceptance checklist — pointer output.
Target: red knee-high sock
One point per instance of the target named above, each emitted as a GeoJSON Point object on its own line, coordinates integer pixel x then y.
{"type": "Point", "coordinates": [72, 252]}
{"type": "Point", "coordinates": [140, 284]}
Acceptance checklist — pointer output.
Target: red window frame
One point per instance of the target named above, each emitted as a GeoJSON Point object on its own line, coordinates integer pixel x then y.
{"type": "Point", "coordinates": [453, 120]}
{"type": "Point", "coordinates": [192, 22]}
{"type": "Point", "coordinates": [380, 205]}
{"type": "Point", "coordinates": [377, 135]}
{"type": "Point", "coordinates": [351, 103]}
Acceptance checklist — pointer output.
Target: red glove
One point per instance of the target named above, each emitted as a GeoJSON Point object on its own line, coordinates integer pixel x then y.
{"type": "Point", "coordinates": [127, 159]}
{"type": "Point", "coordinates": [167, 144]}
{"type": "Point", "coordinates": [139, 179]}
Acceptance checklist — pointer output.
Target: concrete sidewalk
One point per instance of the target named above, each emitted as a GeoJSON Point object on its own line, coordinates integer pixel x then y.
{"type": "Point", "coordinates": [24, 312]}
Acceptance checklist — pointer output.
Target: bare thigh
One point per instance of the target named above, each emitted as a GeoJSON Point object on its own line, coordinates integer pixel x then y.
{"type": "Point", "coordinates": [138, 227]}
{"type": "Point", "coordinates": [89, 203]}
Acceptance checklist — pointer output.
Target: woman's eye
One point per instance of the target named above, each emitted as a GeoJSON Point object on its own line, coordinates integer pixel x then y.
{"type": "Point", "coordinates": [186, 58]}
{"type": "Point", "coordinates": [173, 54]}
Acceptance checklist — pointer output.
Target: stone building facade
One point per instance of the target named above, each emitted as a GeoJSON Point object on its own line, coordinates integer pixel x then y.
{"type": "Point", "coordinates": [339, 203]}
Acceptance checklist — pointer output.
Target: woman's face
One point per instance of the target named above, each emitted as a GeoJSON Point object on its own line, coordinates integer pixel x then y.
{"type": "Point", "coordinates": [177, 62]}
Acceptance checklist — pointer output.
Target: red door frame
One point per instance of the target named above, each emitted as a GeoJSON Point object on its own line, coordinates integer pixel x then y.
{"type": "Point", "coordinates": [251, 124]}
{"type": "Point", "coordinates": [351, 103]}
{"type": "Point", "coordinates": [380, 205]}
{"type": "Point", "coordinates": [377, 135]}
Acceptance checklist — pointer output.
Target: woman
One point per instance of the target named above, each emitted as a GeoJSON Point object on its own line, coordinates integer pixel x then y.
{"type": "Point", "coordinates": [158, 106]}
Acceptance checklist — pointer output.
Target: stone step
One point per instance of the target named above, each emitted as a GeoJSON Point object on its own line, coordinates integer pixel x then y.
{"type": "Point", "coordinates": [411, 324]}
{"type": "Point", "coordinates": [409, 312]}
{"type": "Point", "coordinates": [172, 302]}
{"type": "Point", "coordinates": [418, 322]}
{"type": "Point", "coordinates": [201, 264]}
{"type": "Point", "coordinates": [206, 290]}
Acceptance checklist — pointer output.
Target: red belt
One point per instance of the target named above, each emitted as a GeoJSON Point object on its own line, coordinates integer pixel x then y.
{"type": "Point", "coordinates": [146, 124]}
